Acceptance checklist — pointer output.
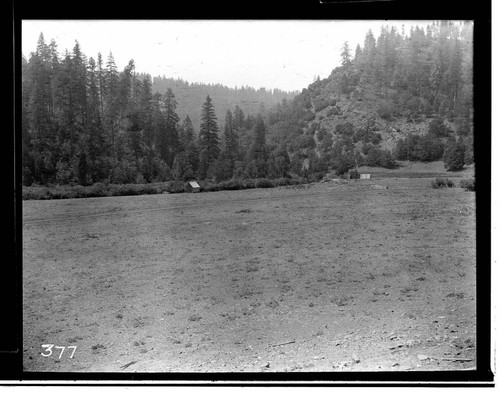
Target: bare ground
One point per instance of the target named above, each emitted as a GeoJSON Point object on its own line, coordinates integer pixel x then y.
{"type": "Point", "coordinates": [332, 277]}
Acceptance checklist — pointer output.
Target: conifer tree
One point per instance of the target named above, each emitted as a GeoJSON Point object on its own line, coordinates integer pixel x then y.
{"type": "Point", "coordinates": [258, 150]}
{"type": "Point", "coordinates": [346, 55]}
{"type": "Point", "coordinates": [186, 132]}
{"type": "Point", "coordinates": [168, 142]}
{"type": "Point", "coordinates": [230, 136]}
{"type": "Point", "coordinates": [208, 138]}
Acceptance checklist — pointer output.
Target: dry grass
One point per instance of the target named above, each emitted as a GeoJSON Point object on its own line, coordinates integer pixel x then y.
{"type": "Point", "coordinates": [206, 292]}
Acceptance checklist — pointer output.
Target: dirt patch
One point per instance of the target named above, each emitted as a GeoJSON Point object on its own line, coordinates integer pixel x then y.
{"type": "Point", "coordinates": [344, 278]}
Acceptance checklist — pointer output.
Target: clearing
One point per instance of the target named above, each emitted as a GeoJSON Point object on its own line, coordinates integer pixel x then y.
{"type": "Point", "coordinates": [323, 277]}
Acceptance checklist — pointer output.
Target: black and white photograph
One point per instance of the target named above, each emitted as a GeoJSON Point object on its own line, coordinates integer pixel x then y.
{"type": "Point", "coordinates": [224, 196]}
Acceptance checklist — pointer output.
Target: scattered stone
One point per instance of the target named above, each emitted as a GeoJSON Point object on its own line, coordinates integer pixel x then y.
{"type": "Point", "coordinates": [395, 365]}
{"type": "Point", "coordinates": [341, 364]}
{"type": "Point", "coordinates": [266, 365]}
{"type": "Point", "coordinates": [355, 358]}
{"type": "Point", "coordinates": [422, 357]}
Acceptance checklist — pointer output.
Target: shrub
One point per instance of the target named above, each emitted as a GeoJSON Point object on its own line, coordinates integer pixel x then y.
{"type": "Point", "coordinates": [346, 129]}
{"type": "Point", "coordinates": [232, 184]}
{"type": "Point", "coordinates": [282, 182]}
{"type": "Point", "coordinates": [60, 192]}
{"type": "Point", "coordinates": [439, 183]}
{"type": "Point", "coordinates": [263, 183]}
{"type": "Point", "coordinates": [175, 187]}
{"type": "Point", "coordinates": [36, 193]}
{"type": "Point", "coordinates": [317, 176]}
{"type": "Point", "coordinates": [319, 104]}
{"type": "Point", "coordinates": [386, 110]}
{"type": "Point", "coordinates": [468, 184]}
{"type": "Point", "coordinates": [454, 156]}
{"type": "Point", "coordinates": [308, 116]}
{"type": "Point", "coordinates": [332, 111]}
{"type": "Point", "coordinates": [127, 189]}
{"type": "Point", "coordinates": [419, 148]}
{"type": "Point", "coordinates": [248, 183]}
{"type": "Point", "coordinates": [77, 191]}
{"type": "Point", "coordinates": [438, 129]}
{"type": "Point", "coordinates": [96, 190]}
{"type": "Point", "coordinates": [378, 157]}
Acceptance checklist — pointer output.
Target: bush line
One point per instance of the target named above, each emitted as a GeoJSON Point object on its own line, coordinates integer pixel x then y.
{"type": "Point", "coordinates": [107, 190]}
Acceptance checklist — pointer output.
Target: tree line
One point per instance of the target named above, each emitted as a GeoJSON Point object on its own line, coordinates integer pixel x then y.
{"type": "Point", "coordinates": [84, 122]}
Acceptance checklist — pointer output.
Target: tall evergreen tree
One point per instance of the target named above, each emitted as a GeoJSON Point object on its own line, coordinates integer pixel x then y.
{"type": "Point", "coordinates": [238, 117]}
{"type": "Point", "coordinates": [208, 138]}
{"type": "Point", "coordinates": [258, 150]}
{"type": "Point", "coordinates": [168, 143]}
{"type": "Point", "coordinates": [345, 55]}
{"type": "Point", "coordinates": [186, 132]}
{"type": "Point", "coordinates": [230, 136]}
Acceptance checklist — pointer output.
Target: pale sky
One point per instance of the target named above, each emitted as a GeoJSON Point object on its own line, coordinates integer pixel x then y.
{"type": "Point", "coordinates": [271, 54]}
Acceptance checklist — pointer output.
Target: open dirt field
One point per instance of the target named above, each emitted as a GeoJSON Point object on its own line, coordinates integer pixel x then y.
{"type": "Point", "coordinates": [328, 277]}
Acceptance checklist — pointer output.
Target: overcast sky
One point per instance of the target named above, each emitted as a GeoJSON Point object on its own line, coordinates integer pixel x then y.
{"type": "Point", "coordinates": [271, 54]}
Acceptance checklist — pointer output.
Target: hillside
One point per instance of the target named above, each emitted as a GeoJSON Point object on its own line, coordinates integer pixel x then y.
{"type": "Point", "coordinates": [190, 97]}
{"type": "Point", "coordinates": [400, 91]}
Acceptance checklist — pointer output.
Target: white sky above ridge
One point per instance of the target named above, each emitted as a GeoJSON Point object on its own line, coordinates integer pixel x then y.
{"type": "Point", "coordinates": [273, 54]}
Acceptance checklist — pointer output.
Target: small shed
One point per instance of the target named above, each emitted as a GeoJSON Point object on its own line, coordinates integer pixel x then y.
{"type": "Point", "coordinates": [193, 187]}
{"type": "Point", "coordinates": [364, 176]}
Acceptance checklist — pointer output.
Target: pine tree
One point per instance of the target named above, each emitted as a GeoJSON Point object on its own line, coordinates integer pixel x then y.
{"type": "Point", "coordinates": [238, 117]}
{"type": "Point", "coordinates": [168, 139]}
{"type": "Point", "coordinates": [101, 83]}
{"type": "Point", "coordinates": [346, 55]}
{"type": "Point", "coordinates": [258, 150]}
{"type": "Point", "coordinates": [146, 112]}
{"type": "Point", "coordinates": [454, 155]}
{"type": "Point", "coordinates": [230, 136]}
{"type": "Point", "coordinates": [182, 169]}
{"type": "Point", "coordinates": [111, 108]}
{"type": "Point", "coordinates": [368, 56]}
{"type": "Point", "coordinates": [186, 132]}
{"type": "Point", "coordinates": [282, 161]}
{"type": "Point", "coordinates": [208, 138]}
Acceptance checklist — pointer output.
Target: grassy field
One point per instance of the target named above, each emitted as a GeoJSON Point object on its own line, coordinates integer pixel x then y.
{"type": "Point", "coordinates": [322, 277]}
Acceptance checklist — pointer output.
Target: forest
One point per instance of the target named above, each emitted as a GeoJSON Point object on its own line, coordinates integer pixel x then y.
{"type": "Point", "coordinates": [402, 96]}
{"type": "Point", "coordinates": [190, 96]}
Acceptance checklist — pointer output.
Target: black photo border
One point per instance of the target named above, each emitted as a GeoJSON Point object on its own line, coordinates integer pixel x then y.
{"type": "Point", "coordinates": [11, 371]}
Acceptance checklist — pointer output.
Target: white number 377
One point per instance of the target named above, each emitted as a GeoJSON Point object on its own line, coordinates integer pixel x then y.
{"type": "Point", "coordinates": [48, 350]}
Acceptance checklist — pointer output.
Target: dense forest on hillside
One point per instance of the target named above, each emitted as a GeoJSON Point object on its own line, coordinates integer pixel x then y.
{"type": "Point", "coordinates": [402, 96]}
{"type": "Point", "coordinates": [190, 96]}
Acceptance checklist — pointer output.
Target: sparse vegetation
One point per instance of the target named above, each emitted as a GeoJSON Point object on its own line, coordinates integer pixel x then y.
{"type": "Point", "coordinates": [468, 184]}
{"type": "Point", "coordinates": [439, 183]}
